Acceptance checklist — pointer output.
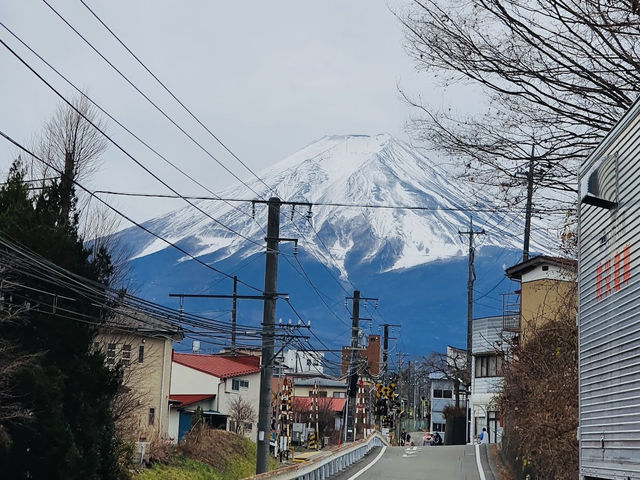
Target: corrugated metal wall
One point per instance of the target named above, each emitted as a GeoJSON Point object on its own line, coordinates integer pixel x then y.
{"type": "Point", "coordinates": [609, 309]}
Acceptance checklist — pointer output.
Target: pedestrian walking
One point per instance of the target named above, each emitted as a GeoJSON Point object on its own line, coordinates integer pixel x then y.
{"type": "Point", "coordinates": [484, 436]}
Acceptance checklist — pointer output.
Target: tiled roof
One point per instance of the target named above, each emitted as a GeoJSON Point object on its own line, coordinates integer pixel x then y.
{"type": "Point", "coordinates": [304, 403]}
{"type": "Point", "coordinates": [221, 366]}
{"type": "Point", "coordinates": [184, 400]}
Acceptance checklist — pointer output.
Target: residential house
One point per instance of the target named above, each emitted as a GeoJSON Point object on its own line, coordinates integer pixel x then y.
{"type": "Point", "coordinates": [546, 284]}
{"type": "Point", "coordinates": [212, 382]}
{"type": "Point", "coordinates": [441, 393]}
{"type": "Point", "coordinates": [142, 345]}
{"type": "Point", "coordinates": [489, 342]}
{"type": "Point", "coordinates": [332, 396]}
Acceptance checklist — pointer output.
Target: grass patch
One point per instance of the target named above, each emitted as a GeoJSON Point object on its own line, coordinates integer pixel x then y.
{"type": "Point", "coordinates": [180, 468]}
{"type": "Point", "coordinates": [211, 455]}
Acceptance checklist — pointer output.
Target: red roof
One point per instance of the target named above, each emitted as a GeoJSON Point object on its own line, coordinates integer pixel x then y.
{"type": "Point", "coordinates": [221, 366]}
{"type": "Point", "coordinates": [304, 403]}
{"type": "Point", "coordinates": [185, 400]}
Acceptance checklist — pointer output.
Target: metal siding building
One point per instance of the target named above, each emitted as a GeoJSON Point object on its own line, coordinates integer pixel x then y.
{"type": "Point", "coordinates": [609, 305]}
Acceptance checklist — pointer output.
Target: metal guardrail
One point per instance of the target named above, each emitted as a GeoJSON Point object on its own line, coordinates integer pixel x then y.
{"type": "Point", "coordinates": [325, 466]}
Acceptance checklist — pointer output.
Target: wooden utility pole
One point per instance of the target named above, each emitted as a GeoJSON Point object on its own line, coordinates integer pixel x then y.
{"type": "Point", "coordinates": [268, 335]}
{"type": "Point", "coordinates": [470, 279]}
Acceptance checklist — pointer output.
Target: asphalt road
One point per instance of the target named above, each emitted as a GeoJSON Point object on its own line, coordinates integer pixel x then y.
{"type": "Point", "coordinates": [456, 462]}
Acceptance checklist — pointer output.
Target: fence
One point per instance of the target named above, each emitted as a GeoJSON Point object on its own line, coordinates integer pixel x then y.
{"type": "Point", "coordinates": [327, 465]}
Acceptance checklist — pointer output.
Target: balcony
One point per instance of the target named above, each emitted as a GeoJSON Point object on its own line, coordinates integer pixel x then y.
{"type": "Point", "coordinates": [511, 312]}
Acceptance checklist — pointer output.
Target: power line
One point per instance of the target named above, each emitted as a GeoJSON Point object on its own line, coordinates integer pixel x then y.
{"type": "Point", "coordinates": [121, 125]}
{"type": "Point", "coordinates": [118, 212]}
{"type": "Point", "coordinates": [119, 147]}
{"type": "Point", "coordinates": [146, 97]}
{"type": "Point", "coordinates": [155, 77]}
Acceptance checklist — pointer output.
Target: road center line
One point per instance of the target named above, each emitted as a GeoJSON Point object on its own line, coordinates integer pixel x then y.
{"type": "Point", "coordinates": [480, 470]}
{"type": "Point", "coordinates": [384, 448]}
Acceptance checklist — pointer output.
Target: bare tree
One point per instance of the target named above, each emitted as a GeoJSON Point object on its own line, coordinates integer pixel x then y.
{"type": "Point", "coordinates": [450, 366]}
{"type": "Point", "coordinates": [557, 74]}
{"type": "Point", "coordinates": [69, 137]}
{"type": "Point", "coordinates": [241, 411]}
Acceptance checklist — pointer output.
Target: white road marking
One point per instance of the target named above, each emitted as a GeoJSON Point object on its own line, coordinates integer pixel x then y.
{"type": "Point", "coordinates": [480, 470]}
{"type": "Point", "coordinates": [356, 475]}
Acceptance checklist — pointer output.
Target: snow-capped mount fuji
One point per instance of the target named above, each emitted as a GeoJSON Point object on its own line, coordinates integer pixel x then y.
{"type": "Point", "coordinates": [350, 170]}
{"type": "Point", "coordinates": [412, 259]}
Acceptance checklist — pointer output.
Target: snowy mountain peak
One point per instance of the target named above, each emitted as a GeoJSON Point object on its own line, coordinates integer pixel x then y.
{"type": "Point", "coordinates": [345, 177]}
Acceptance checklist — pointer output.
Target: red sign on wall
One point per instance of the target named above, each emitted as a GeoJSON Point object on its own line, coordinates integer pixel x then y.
{"type": "Point", "coordinates": [613, 273]}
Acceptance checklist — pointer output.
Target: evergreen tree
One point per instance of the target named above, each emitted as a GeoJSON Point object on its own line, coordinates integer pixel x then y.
{"type": "Point", "coordinates": [67, 387]}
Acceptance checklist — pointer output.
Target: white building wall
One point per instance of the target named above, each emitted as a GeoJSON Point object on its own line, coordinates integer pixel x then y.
{"type": "Point", "coordinates": [189, 381]}
{"type": "Point", "coordinates": [251, 394]}
{"type": "Point", "coordinates": [304, 362]}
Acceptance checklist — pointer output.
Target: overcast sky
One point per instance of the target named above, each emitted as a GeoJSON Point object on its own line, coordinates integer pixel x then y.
{"type": "Point", "coordinates": [267, 77]}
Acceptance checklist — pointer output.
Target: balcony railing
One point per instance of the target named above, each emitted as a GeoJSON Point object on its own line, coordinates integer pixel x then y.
{"type": "Point", "coordinates": [511, 312]}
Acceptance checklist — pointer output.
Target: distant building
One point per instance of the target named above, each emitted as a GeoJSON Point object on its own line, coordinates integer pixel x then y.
{"type": "Point", "coordinates": [297, 361]}
{"type": "Point", "coordinates": [489, 342]}
{"type": "Point", "coordinates": [370, 354]}
{"type": "Point", "coordinates": [442, 396]}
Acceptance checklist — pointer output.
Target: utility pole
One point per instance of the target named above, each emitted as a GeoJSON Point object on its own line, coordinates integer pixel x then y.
{"type": "Point", "coordinates": [527, 224]}
{"type": "Point", "coordinates": [471, 278]}
{"type": "Point", "coordinates": [353, 372]}
{"type": "Point", "coordinates": [268, 335]}
{"type": "Point", "coordinates": [385, 347]}
{"type": "Point", "coordinates": [350, 432]}
{"type": "Point", "coordinates": [233, 313]}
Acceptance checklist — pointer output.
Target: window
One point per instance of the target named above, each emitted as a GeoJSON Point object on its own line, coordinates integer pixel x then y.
{"type": "Point", "coordinates": [439, 393]}
{"type": "Point", "coordinates": [126, 355]}
{"type": "Point", "coordinates": [111, 354]}
{"type": "Point", "coordinates": [152, 416]}
{"type": "Point", "coordinates": [438, 427]}
{"type": "Point", "coordinates": [321, 393]}
{"type": "Point", "coordinates": [489, 366]}
{"type": "Point", "coordinates": [248, 426]}
{"type": "Point", "coordinates": [339, 395]}
{"type": "Point", "coordinates": [237, 384]}
{"type": "Point", "coordinates": [141, 354]}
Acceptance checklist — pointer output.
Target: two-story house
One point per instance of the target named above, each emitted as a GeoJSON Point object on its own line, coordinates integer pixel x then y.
{"type": "Point", "coordinates": [141, 344]}
{"type": "Point", "coordinates": [213, 382]}
{"type": "Point", "coordinates": [489, 342]}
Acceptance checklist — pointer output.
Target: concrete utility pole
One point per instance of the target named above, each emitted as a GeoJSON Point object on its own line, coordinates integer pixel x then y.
{"type": "Point", "coordinates": [268, 335]}
{"type": "Point", "coordinates": [527, 224]}
{"type": "Point", "coordinates": [353, 371]}
{"type": "Point", "coordinates": [471, 278]}
{"type": "Point", "coordinates": [234, 311]}
{"type": "Point", "coordinates": [385, 347]}
{"type": "Point", "coordinates": [350, 432]}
